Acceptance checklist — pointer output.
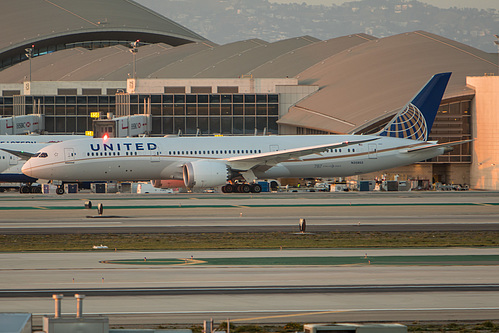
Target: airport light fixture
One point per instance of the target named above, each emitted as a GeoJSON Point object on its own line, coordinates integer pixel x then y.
{"type": "Point", "coordinates": [29, 55]}
{"type": "Point", "coordinates": [134, 51]}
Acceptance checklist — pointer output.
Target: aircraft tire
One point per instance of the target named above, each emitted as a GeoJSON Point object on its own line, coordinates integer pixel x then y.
{"type": "Point", "coordinates": [228, 188]}
{"type": "Point", "coordinates": [25, 189]}
{"type": "Point", "coordinates": [100, 208]}
{"type": "Point", "coordinates": [60, 190]}
{"type": "Point", "coordinates": [245, 188]}
{"type": "Point", "coordinates": [36, 189]}
{"type": "Point", "coordinates": [256, 188]}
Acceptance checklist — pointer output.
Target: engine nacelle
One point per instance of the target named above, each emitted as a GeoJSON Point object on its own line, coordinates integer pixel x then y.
{"type": "Point", "coordinates": [167, 183]}
{"type": "Point", "coordinates": [202, 174]}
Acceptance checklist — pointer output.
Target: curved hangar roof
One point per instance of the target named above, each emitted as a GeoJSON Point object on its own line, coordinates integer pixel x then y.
{"type": "Point", "coordinates": [362, 79]}
{"type": "Point", "coordinates": [50, 25]}
{"type": "Point", "coordinates": [201, 60]}
{"type": "Point", "coordinates": [372, 81]}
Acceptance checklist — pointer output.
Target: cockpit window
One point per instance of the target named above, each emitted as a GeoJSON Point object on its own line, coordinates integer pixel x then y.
{"type": "Point", "coordinates": [42, 155]}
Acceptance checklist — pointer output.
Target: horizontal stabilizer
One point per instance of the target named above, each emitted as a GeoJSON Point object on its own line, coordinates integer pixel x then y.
{"type": "Point", "coordinates": [439, 145]}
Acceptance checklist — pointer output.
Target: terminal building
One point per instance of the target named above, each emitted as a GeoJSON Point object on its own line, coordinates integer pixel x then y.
{"type": "Point", "coordinates": [121, 59]}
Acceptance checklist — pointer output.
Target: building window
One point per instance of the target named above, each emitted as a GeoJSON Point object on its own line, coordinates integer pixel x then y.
{"type": "Point", "coordinates": [67, 91]}
{"type": "Point", "coordinates": [175, 90]}
{"type": "Point", "coordinates": [227, 90]}
{"type": "Point", "coordinates": [201, 90]}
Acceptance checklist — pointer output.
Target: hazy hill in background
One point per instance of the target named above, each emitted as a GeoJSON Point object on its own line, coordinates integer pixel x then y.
{"type": "Point", "coordinates": [225, 21]}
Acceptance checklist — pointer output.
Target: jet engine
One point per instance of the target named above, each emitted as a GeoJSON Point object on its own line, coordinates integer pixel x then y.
{"type": "Point", "coordinates": [202, 174]}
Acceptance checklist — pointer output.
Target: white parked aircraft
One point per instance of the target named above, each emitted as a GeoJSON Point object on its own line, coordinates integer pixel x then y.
{"type": "Point", "coordinates": [15, 150]}
{"type": "Point", "coordinates": [213, 161]}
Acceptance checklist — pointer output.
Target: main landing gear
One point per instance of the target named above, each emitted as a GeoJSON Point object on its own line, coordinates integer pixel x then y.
{"type": "Point", "coordinates": [241, 188]}
{"type": "Point", "coordinates": [29, 188]}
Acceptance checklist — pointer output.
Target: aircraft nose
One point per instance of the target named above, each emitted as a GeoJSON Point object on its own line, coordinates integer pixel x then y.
{"type": "Point", "coordinates": [26, 168]}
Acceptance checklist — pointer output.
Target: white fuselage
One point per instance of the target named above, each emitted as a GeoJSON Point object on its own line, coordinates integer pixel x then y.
{"type": "Point", "coordinates": [130, 159]}
{"type": "Point", "coordinates": [10, 165]}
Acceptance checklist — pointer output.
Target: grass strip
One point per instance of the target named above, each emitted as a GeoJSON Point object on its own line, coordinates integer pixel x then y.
{"type": "Point", "coordinates": [269, 240]}
{"type": "Point", "coordinates": [439, 260]}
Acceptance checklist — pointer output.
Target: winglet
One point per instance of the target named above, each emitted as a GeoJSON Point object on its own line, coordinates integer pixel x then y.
{"type": "Point", "coordinates": [415, 120]}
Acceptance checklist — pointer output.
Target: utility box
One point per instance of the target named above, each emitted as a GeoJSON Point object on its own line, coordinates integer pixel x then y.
{"type": "Point", "coordinates": [93, 324]}
{"type": "Point", "coordinates": [265, 186]}
{"type": "Point", "coordinates": [111, 188]}
{"type": "Point", "coordinates": [392, 185]}
{"type": "Point", "coordinates": [71, 188]}
{"type": "Point", "coordinates": [99, 187]}
{"type": "Point", "coordinates": [125, 187]}
{"type": "Point", "coordinates": [367, 185]}
{"type": "Point", "coordinates": [49, 189]}
{"type": "Point", "coordinates": [356, 328]}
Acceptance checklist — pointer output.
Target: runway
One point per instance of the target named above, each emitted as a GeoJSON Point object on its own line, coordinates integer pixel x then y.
{"type": "Point", "coordinates": [181, 213]}
{"type": "Point", "coordinates": [251, 292]}
{"type": "Point", "coordinates": [131, 294]}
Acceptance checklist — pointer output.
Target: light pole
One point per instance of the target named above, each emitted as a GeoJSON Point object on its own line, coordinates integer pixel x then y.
{"type": "Point", "coordinates": [134, 54]}
{"type": "Point", "coordinates": [29, 54]}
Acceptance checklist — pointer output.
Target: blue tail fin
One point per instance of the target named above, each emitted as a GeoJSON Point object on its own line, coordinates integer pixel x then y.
{"type": "Point", "coordinates": [415, 120]}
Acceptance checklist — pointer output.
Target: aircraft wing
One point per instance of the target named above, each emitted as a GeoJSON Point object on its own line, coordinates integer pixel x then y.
{"type": "Point", "coordinates": [269, 159]}
{"type": "Point", "coordinates": [439, 145]}
{"type": "Point", "coordinates": [19, 153]}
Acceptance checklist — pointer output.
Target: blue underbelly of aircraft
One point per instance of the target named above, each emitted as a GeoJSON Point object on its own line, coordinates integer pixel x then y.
{"type": "Point", "coordinates": [16, 178]}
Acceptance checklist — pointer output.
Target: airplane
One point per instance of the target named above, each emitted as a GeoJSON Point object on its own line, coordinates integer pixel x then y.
{"type": "Point", "coordinates": [15, 150]}
{"type": "Point", "coordinates": [205, 162]}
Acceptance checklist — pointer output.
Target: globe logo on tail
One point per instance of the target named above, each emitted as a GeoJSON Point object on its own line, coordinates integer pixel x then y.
{"type": "Point", "coordinates": [408, 124]}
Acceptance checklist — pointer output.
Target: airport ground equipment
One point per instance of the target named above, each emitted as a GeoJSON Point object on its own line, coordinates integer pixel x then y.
{"type": "Point", "coordinates": [22, 124]}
